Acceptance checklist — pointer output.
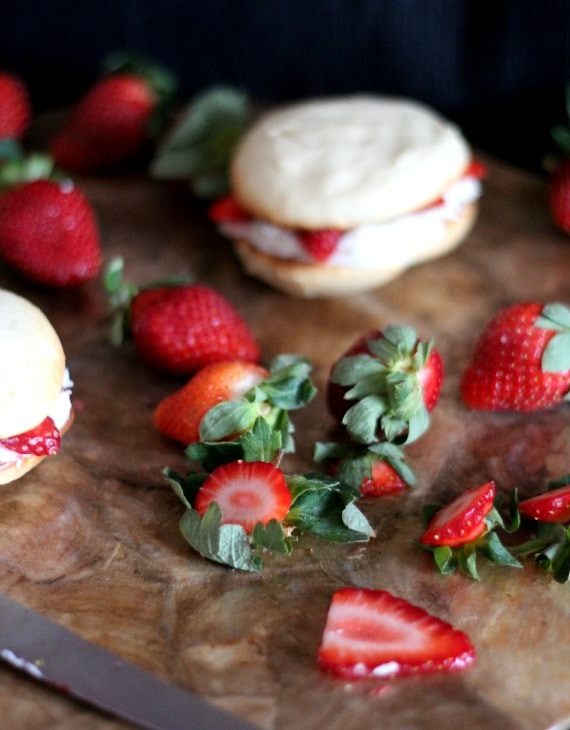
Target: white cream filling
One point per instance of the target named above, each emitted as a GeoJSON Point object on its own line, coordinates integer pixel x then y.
{"type": "Point", "coordinates": [60, 414]}
{"type": "Point", "coordinates": [370, 246]}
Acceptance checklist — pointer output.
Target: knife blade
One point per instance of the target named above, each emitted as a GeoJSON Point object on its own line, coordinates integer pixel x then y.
{"type": "Point", "coordinates": [56, 656]}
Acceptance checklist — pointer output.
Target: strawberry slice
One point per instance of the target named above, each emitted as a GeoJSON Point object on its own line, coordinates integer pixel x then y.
{"type": "Point", "coordinates": [227, 210]}
{"type": "Point", "coordinates": [247, 492]}
{"type": "Point", "coordinates": [552, 506]}
{"type": "Point", "coordinates": [462, 520]}
{"type": "Point", "coordinates": [477, 169]}
{"type": "Point", "coordinates": [372, 633]}
{"type": "Point", "coordinates": [43, 440]}
{"type": "Point", "coordinates": [321, 244]}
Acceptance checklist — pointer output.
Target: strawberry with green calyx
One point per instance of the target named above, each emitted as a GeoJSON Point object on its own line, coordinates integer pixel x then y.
{"type": "Point", "coordinates": [200, 145]}
{"type": "Point", "coordinates": [288, 387]}
{"type": "Point", "coordinates": [223, 401]}
{"type": "Point", "coordinates": [550, 506]}
{"type": "Point", "coordinates": [549, 548]}
{"type": "Point", "coordinates": [48, 228]}
{"type": "Point", "coordinates": [116, 119]}
{"type": "Point", "coordinates": [177, 327]}
{"type": "Point", "coordinates": [521, 360]}
{"type": "Point", "coordinates": [321, 505]}
{"type": "Point", "coordinates": [385, 385]}
{"type": "Point", "coordinates": [465, 528]}
{"type": "Point", "coordinates": [180, 414]}
{"type": "Point", "coordinates": [375, 470]}
{"type": "Point", "coordinates": [260, 443]}
{"type": "Point", "coordinates": [548, 515]}
{"type": "Point", "coordinates": [372, 633]}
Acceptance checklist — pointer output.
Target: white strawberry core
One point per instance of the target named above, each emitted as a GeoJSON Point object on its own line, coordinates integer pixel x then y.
{"type": "Point", "coordinates": [370, 246]}
{"type": "Point", "coordinates": [60, 414]}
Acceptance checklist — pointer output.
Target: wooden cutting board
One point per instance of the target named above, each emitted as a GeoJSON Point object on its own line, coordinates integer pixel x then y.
{"type": "Point", "coordinates": [91, 538]}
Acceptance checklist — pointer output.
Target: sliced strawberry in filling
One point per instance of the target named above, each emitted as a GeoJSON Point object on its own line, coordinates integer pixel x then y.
{"type": "Point", "coordinates": [321, 244]}
{"type": "Point", "coordinates": [227, 210]}
{"type": "Point", "coordinates": [43, 440]}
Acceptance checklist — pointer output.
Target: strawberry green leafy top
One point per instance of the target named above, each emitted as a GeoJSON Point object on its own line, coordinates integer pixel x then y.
{"type": "Point", "coordinates": [317, 503]}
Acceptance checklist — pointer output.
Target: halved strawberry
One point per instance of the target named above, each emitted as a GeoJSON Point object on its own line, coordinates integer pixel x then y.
{"type": "Point", "coordinates": [552, 506]}
{"type": "Point", "coordinates": [320, 244]}
{"type": "Point", "coordinates": [247, 492]}
{"type": "Point", "coordinates": [179, 414]}
{"type": "Point", "coordinates": [43, 440]}
{"type": "Point", "coordinates": [462, 520]}
{"type": "Point", "coordinates": [372, 633]}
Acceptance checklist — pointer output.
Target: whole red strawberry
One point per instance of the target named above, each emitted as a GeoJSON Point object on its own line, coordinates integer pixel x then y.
{"type": "Point", "coordinates": [558, 195]}
{"type": "Point", "coordinates": [180, 414]}
{"type": "Point", "coordinates": [115, 120]}
{"type": "Point", "coordinates": [521, 361]}
{"type": "Point", "coordinates": [180, 329]}
{"type": "Point", "coordinates": [385, 385]}
{"type": "Point", "coordinates": [48, 233]}
{"type": "Point", "coordinates": [15, 110]}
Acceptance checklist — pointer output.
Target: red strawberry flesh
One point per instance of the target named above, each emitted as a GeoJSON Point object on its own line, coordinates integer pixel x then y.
{"type": "Point", "coordinates": [372, 633]}
{"type": "Point", "coordinates": [552, 506]}
{"type": "Point", "coordinates": [462, 520]}
{"type": "Point", "coordinates": [43, 440]}
{"type": "Point", "coordinates": [320, 244]}
{"type": "Point", "coordinates": [246, 492]}
{"type": "Point", "coordinates": [227, 210]}
{"type": "Point", "coordinates": [384, 480]}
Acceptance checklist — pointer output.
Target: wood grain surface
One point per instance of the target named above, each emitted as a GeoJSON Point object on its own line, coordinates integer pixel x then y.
{"type": "Point", "coordinates": [90, 538]}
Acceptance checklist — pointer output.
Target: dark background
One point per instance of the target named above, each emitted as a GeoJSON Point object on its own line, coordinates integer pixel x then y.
{"type": "Point", "coordinates": [497, 67]}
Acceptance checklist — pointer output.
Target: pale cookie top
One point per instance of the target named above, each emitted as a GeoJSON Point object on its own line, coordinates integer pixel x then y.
{"type": "Point", "coordinates": [32, 365]}
{"type": "Point", "coordinates": [346, 161]}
